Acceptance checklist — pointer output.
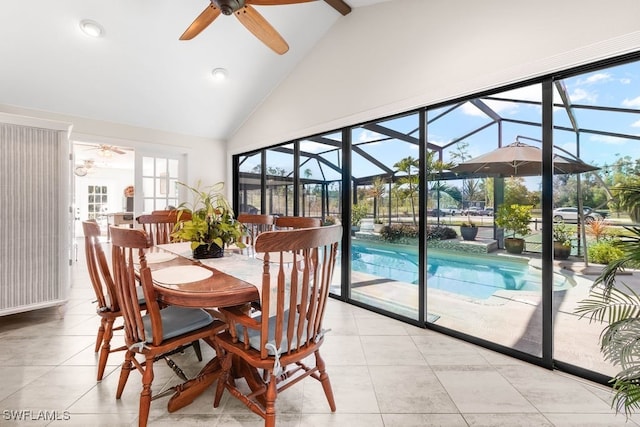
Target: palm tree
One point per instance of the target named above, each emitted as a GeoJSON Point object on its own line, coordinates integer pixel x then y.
{"type": "Point", "coordinates": [377, 190]}
{"type": "Point", "coordinates": [620, 309]}
{"type": "Point", "coordinates": [409, 166]}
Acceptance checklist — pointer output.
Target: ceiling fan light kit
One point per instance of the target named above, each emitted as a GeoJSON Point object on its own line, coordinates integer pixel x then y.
{"type": "Point", "coordinates": [91, 28]}
{"type": "Point", "coordinates": [219, 74]}
{"type": "Point", "coordinates": [251, 19]}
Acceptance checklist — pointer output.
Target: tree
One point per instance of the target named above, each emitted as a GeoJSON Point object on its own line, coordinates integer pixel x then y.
{"type": "Point", "coordinates": [377, 190]}
{"type": "Point", "coordinates": [409, 166]}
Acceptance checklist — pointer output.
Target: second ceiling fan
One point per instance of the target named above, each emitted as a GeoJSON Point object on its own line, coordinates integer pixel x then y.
{"type": "Point", "coordinates": [251, 19]}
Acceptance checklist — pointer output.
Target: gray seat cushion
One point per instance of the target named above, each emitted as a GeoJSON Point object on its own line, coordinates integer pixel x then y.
{"type": "Point", "coordinates": [140, 294]}
{"type": "Point", "coordinates": [177, 321]}
{"type": "Point", "coordinates": [254, 336]}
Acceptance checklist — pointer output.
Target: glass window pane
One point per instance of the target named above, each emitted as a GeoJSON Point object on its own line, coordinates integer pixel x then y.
{"type": "Point", "coordinates": [173, 168]}
{"type": "Point", "coordinates": [249, 199]}
{"type": "Point", "coordinates": [385, 171]}
{"type": "Point", "coordinates": [148, 164]}
{"type": "Point", "coordinates": [147, 187]}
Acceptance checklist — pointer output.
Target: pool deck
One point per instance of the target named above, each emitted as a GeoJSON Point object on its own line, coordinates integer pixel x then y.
{"type": "Point", "coordinates": [576, 339]}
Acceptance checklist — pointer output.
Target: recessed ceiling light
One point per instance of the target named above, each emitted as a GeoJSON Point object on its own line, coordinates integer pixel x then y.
{"type": "Point", "coordinates": [219, 74]}
{"type": "Point", "coordinates": [91, 28]}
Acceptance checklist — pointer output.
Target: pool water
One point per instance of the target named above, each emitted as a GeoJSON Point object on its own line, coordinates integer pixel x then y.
{"type": "Point", "coordinates": [473, 275]}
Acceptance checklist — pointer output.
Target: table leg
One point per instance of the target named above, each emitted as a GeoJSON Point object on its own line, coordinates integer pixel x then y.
{"type": "Point", "coordinates": [187, 392]}
{"type": "Point", "coordinates": [242, 369]}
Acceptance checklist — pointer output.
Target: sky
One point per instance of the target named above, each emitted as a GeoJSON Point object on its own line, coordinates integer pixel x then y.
{"type": "Point", "coordinates": [616, 87]}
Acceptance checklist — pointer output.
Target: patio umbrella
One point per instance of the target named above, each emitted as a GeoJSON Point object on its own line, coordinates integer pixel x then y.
{"type": "Point", "coordinates": [519, 159]}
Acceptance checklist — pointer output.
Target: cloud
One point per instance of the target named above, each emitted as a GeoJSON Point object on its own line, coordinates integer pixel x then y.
{"type": "Point", "coordinates": [635, 102]}
{"type": "Point", "coordinates": [636, 124]}
{"type": "Point", "coordinates": [579, 94]}
{"type": "Point", "coordinates": [610, 140]}
{"type": "Point", "coordinates": [595, 78]}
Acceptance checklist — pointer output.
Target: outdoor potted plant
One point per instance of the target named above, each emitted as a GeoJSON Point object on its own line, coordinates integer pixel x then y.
{"type": "Point", "coordinates": [561, 240]}
{"type": "Point", "coordinates": [358, 211]}
{"type": "Point", "coordinates": [514, 219]}
{"type": "Point", "coordinates": [377, 225]}
{"type": "Point", "coordinates": [212, 225]}
{"type": "Point", "coordinates": [468, 229]}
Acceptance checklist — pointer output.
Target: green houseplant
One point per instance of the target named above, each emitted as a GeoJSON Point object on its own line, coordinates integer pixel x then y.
{"type": "Point", "coordinates": [515, 220]}
{"type": "Point", "coordinates": [612, 303]}
{"type": "Point", "coordinates": [212, 225]}
{"type": "Point", "coordinates": [561, 240]}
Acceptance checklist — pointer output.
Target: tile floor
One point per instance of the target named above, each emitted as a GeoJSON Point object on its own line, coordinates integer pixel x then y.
{"type": "Point", "coordinates": [383, 372]}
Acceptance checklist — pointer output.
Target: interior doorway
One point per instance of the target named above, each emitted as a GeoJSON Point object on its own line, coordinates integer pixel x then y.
{"type": "Point", "coordinates": [104, 177]}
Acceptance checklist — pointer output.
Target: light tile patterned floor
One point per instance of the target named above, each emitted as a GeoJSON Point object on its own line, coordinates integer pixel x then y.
{"type": "Point", "coordinates": [383, 372]}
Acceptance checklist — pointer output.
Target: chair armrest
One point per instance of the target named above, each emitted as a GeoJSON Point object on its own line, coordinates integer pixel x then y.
{"type": "Point", "coordinates": [239, 314]}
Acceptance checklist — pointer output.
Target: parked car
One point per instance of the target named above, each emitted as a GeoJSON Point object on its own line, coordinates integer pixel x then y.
{"type": "Point", "coordinates": [570, 214]}
{"type": "Point", "coordinates": [450, 211]}
{"type": "Point", "coordinates": [435, 212]}
{"type": "Point", "coordinates": [488, 211]}
{"type": "Point", "coordinates": [472, 210]}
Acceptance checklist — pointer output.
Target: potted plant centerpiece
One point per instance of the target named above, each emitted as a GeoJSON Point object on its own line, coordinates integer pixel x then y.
{"type": "Point", "coordinates": [561, 240]}
{"type": "Point", "coordinates": [212, 225]}
{"type": "Point", "coordinates": [515, 220]}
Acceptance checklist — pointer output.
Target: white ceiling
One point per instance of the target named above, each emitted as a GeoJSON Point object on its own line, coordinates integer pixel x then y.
{"type": "Point", "coordinates": [139, 73]}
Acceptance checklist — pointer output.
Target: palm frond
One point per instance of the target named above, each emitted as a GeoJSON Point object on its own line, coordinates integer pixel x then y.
{"type": "Point", "coordinates": [627, 397]}
{"type": "Point", "coordinates": [611, 305]}
{"type": "Point", "coordinates": [620, 345]}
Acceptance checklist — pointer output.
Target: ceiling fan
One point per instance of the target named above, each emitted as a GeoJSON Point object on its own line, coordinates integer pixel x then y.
{"type": "Point", "coordinates": [251, 19]}
{"type": "Point", "coordinates": [105, 150]}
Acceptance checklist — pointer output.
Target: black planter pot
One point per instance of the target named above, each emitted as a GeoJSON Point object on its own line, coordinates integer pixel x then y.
{"type": "Point", "coordinates": [208, 251]}
{"type": "Point", "coordinates": [560, 251]}
{"type": "Point", "coordinates": [468, 233]}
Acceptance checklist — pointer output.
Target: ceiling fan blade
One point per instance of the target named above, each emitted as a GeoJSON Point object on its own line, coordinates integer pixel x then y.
{"type": "Point", "coordinates": [251, 18]}
{"type": "Point", "coordinates": [276, 2]}
{"type": "Point", "coordinates": [116, 150]}
{"type": "Point", "coordinates": [201, 22]}
{"type": "Point", "coordinates": [340, 6]}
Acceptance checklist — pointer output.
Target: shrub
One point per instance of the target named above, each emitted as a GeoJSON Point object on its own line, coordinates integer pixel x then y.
{"type": "Point", "coordinates": [396, 232]}
{"type": "Point", "coordinates": [437, 232]}
{"type": "Point", "coordinates": [400, 232]}
{"type": "Point", "coordinates": [604, 252]}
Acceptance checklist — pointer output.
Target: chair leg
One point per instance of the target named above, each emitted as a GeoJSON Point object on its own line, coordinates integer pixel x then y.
{"type": "Point", "coordinates": [100, 336]}
{"type": "Point", "coordinates": [106, 347]}
{"type": "Point", "coordinates": [196, 348]}
{"type": "Point", "coordinates": [127, 366]}
{"type": "Point", "coordinates": [270, 406]}
{"type": "Point", "coordinates": [324, 380]}
{"type": "Point", "coordinates": [145, 395]}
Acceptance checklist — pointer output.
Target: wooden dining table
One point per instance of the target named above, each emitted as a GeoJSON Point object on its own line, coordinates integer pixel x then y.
{"type": "Point", "coordinates": [232, 282]}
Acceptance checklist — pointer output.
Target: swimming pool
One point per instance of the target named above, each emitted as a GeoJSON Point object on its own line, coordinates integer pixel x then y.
{"type": "Point", "coordinates": [473, 275]}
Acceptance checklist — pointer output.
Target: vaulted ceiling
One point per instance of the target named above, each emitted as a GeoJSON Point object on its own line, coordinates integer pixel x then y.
{"type": "Point", "coordinates": [139, 73]}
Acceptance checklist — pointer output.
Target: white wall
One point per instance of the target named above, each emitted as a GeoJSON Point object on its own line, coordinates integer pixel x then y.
{"type": "Point", "coordinates": [396, 56]}
{"type": "Point", "coordinates": [205, 157]}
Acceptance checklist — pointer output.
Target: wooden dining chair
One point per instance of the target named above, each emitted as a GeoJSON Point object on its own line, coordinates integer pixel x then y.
{"type": "Point", "coordinates": [105, 292]}
{"type": "Point", "coordinates": [160, 331]}
{"type": "Point", "coordinates": [289, 327]}
{"type": "Point", "coordinates": [255, 224]}
{"type": "Point", "coordinates": [160, 224]}
{"type": "Point", "coordinates": [289, 222]}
